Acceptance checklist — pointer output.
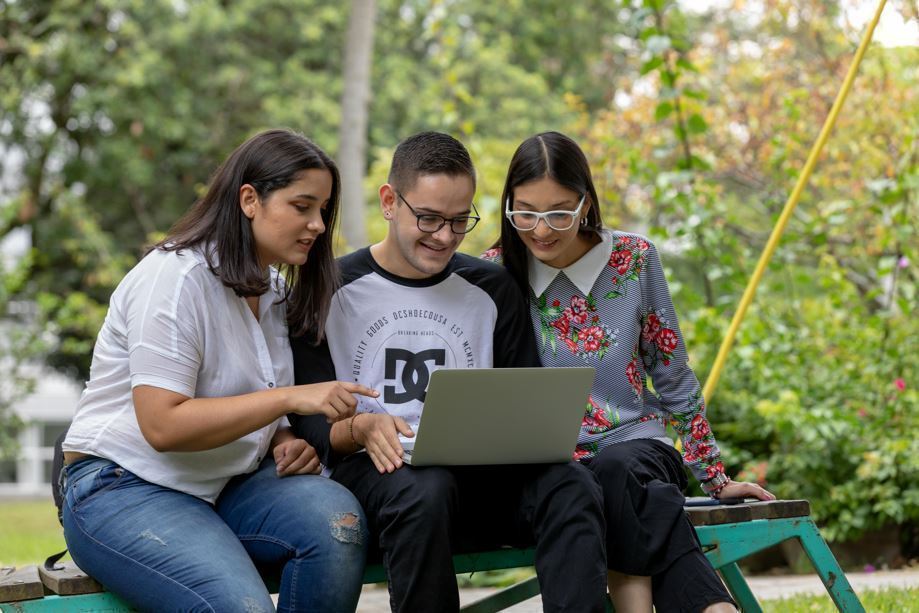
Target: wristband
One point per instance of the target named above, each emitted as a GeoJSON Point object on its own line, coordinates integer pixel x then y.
{"type": "Point", "coordinates": [713, 486]}
{"type": "Point", "coordinates": [351, 430]}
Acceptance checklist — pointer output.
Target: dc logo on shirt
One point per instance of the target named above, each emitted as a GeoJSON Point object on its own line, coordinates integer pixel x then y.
{"type": "Point", "coordinates": [415, 373]}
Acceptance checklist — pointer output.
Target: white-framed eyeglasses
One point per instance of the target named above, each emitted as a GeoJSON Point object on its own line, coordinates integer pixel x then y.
{"type": "Point", "coordinates": [557, 220]}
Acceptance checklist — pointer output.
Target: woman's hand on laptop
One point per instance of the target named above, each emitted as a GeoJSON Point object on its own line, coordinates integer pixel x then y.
{"type": "Point", "coordinates": [379, 435]}
{"type": "Point", "coordinates": [334, 399]}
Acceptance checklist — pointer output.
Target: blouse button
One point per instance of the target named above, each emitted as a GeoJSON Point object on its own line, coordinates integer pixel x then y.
{"type": "Point", "coordinates": [271, 384]}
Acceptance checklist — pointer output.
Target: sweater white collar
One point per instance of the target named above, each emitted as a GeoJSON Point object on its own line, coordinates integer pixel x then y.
{"type": "Point", "coordinates": [583, 272]}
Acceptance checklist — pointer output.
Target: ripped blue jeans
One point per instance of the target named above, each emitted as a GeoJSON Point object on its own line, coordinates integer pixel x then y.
{"type": "Point", "coordinates": [163, 550]}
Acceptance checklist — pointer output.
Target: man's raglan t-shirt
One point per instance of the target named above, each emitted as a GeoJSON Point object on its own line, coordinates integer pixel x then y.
{"type": "Point", "coordinates": [390, 333]}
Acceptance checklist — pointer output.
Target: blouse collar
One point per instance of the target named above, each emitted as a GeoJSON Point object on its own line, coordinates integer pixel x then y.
{"type": "Point", "coordinates": [583, 273]}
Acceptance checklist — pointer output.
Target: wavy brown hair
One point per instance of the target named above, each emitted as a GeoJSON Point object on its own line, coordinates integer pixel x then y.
{"type": "Point", "coordinates": [216, 225]}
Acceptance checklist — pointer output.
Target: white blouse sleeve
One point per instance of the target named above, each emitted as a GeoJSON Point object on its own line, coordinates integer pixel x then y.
{"type": "Point", "coordinates": [165, 327]}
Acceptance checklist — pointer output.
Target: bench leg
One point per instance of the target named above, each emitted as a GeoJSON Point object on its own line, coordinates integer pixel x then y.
{"type": "Point", "coordinates": [844, 597]}
{"type": "Point", "coordinates": [739, 589]}
{"type": "Point", "coordinates": [507, 597]}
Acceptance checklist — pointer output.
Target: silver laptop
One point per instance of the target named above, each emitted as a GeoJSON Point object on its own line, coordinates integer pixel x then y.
{"type": "Point", "coordinates": [478, 416]}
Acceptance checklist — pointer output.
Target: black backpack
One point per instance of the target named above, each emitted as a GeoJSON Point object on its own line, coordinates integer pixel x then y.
{"type": "Point", "coordinates": [57, 467]}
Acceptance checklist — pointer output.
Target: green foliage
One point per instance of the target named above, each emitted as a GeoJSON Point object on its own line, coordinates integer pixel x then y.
{"type": "Point", "coordinates": [808, 403]}
{"type": "Point", "coordinates": [122, 109]}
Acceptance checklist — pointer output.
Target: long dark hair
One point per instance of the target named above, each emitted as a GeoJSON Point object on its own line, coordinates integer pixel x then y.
{"type": "Point", "coordinates": [552, 155]}
{"type": "Point", "coordinates": [216, 225]}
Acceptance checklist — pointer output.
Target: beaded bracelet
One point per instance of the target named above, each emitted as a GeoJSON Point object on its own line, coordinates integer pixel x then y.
{"type": "Point", "coordinates": [351, 430]}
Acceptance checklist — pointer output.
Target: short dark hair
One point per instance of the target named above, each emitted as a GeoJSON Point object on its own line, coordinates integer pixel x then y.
{"type": "Point", "coordinates": [558, 157]}
{"type": "Point", "coordinates": [216, 224]}
{"type": "Point", "coordinates": [428, 153]}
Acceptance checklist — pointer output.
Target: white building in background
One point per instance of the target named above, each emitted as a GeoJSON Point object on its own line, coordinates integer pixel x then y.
{"type": "Point", "coordinates": [46, 413]}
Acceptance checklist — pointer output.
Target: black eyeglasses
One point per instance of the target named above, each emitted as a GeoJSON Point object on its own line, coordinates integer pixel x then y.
{"type": "Point", "coordinates": [430, 223]}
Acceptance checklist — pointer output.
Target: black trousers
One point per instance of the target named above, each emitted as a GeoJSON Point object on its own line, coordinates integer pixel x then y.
{"type": "Point", "coordinates": [647, 531]}
{"type": "Point", "coordinates": [420, 517]}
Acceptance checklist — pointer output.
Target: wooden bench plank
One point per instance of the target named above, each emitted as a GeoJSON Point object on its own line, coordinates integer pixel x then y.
{"type": "Point", "coordinates": [748, 511]}
{"type": "Point", "coordinates": [779, 509]}
{"type": "Point", "coordinates": [68, 580]}
{"type": "Point", "coordinates": [20, 584]}
{"type": "Point", "coordinates": [711, 516]}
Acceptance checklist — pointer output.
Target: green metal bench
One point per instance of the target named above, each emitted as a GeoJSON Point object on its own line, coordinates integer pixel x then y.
{"type": "Point", "coordinates": [728, 533]}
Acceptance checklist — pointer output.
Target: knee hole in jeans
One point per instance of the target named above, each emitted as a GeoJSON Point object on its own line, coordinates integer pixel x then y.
{"type": "Point", "coordinates": [346, 528]}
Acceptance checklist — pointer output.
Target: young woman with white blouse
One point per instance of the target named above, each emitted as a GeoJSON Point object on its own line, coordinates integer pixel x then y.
{"type": "Point", "coordinates": [181, 480]}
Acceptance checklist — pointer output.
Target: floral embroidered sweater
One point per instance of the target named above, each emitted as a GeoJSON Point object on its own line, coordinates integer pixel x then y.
{"type": "Point", "coordinates": [612, 310]}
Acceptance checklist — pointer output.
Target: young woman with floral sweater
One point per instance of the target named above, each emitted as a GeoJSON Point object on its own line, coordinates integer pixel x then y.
{"type": "Point", "coordinates": [600, 298]}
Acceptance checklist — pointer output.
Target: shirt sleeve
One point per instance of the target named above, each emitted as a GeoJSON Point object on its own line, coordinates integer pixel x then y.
{"type": "Point", "coordinates": [313, 364]}
{"type": "Point", "coordinates": [165, 328]}
{"type": "Point", "coordinates": [666, 362]}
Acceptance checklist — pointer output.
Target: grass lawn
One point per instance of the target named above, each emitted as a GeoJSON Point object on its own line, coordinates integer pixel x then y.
{"type": "Point", "coordinates": [891, 600]}
{"type": "Point", "coordinates": [29, 532]}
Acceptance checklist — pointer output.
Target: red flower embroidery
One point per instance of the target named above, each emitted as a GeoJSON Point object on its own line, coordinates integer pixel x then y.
{"type": "Point", "coordinates": [573, 346]}
{"type": "Point", "coordinates": [715, 470]}
{"type": "Point", "coordinates": [563, 325]}
{"type": "Point", "coordinates": [492, 253]}
{"type": "Point", "coordinates": [595, 417]}
{"type": "Point", "coordinates": [592, 338]}
{"type": "Point", "coordinates": [651, 327]}
{"type": "Point", "coordinates": [702, 450]}
{"type": "Point", "coordinates": [556, 303]}
{"type": "Point", "coordinates": [631, 371]}
{"type": "Point", "coordinates": [643, 244]}
{"type": "Point", "coordinates": [620, 260]}
{"type": "Point", "coordinates": [699, 427]}
{"type": "Point", "coordinates": [579, 453]}
{"type": "Point", "coordinates": [577, 312]}
{"type": "Point", "coordinates": [667, 340]}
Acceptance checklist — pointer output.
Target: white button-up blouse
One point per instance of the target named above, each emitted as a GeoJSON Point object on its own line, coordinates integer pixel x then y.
{"type": "Point", "coordinates": [172, 324]}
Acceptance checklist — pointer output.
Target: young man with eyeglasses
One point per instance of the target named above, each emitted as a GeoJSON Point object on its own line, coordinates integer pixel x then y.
{"type": "Point", "coordinates": [409, 305]}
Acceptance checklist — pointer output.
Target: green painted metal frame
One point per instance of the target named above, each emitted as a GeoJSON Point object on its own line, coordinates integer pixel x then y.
{"type": "Point", "coordinates": [100, 602]}
{"type": "Point", "coordinates": [726, 543]}
{"type": "Point", "coordinates": [732, 542]}
{"type": "Point", "coordinates": [486, 560]}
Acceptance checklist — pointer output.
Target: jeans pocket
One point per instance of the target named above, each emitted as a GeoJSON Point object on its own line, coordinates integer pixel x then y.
{"type": "Point", "coordinates": [86, 486]}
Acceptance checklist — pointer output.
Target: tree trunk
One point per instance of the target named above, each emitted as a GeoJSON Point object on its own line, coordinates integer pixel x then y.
{"type": "Point", "coordinates": [353, 131]}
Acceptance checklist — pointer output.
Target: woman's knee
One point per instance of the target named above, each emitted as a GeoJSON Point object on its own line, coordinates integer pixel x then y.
{"type": "Point", "coordinates": [320, 504]}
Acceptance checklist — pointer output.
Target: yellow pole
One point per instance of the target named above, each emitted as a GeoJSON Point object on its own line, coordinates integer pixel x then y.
{"type": "Point", "coordinates": [773, 241]}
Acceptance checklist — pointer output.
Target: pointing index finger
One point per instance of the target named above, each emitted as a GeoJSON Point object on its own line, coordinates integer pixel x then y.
{"type": "Point", "coordinates": [357, 388]}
